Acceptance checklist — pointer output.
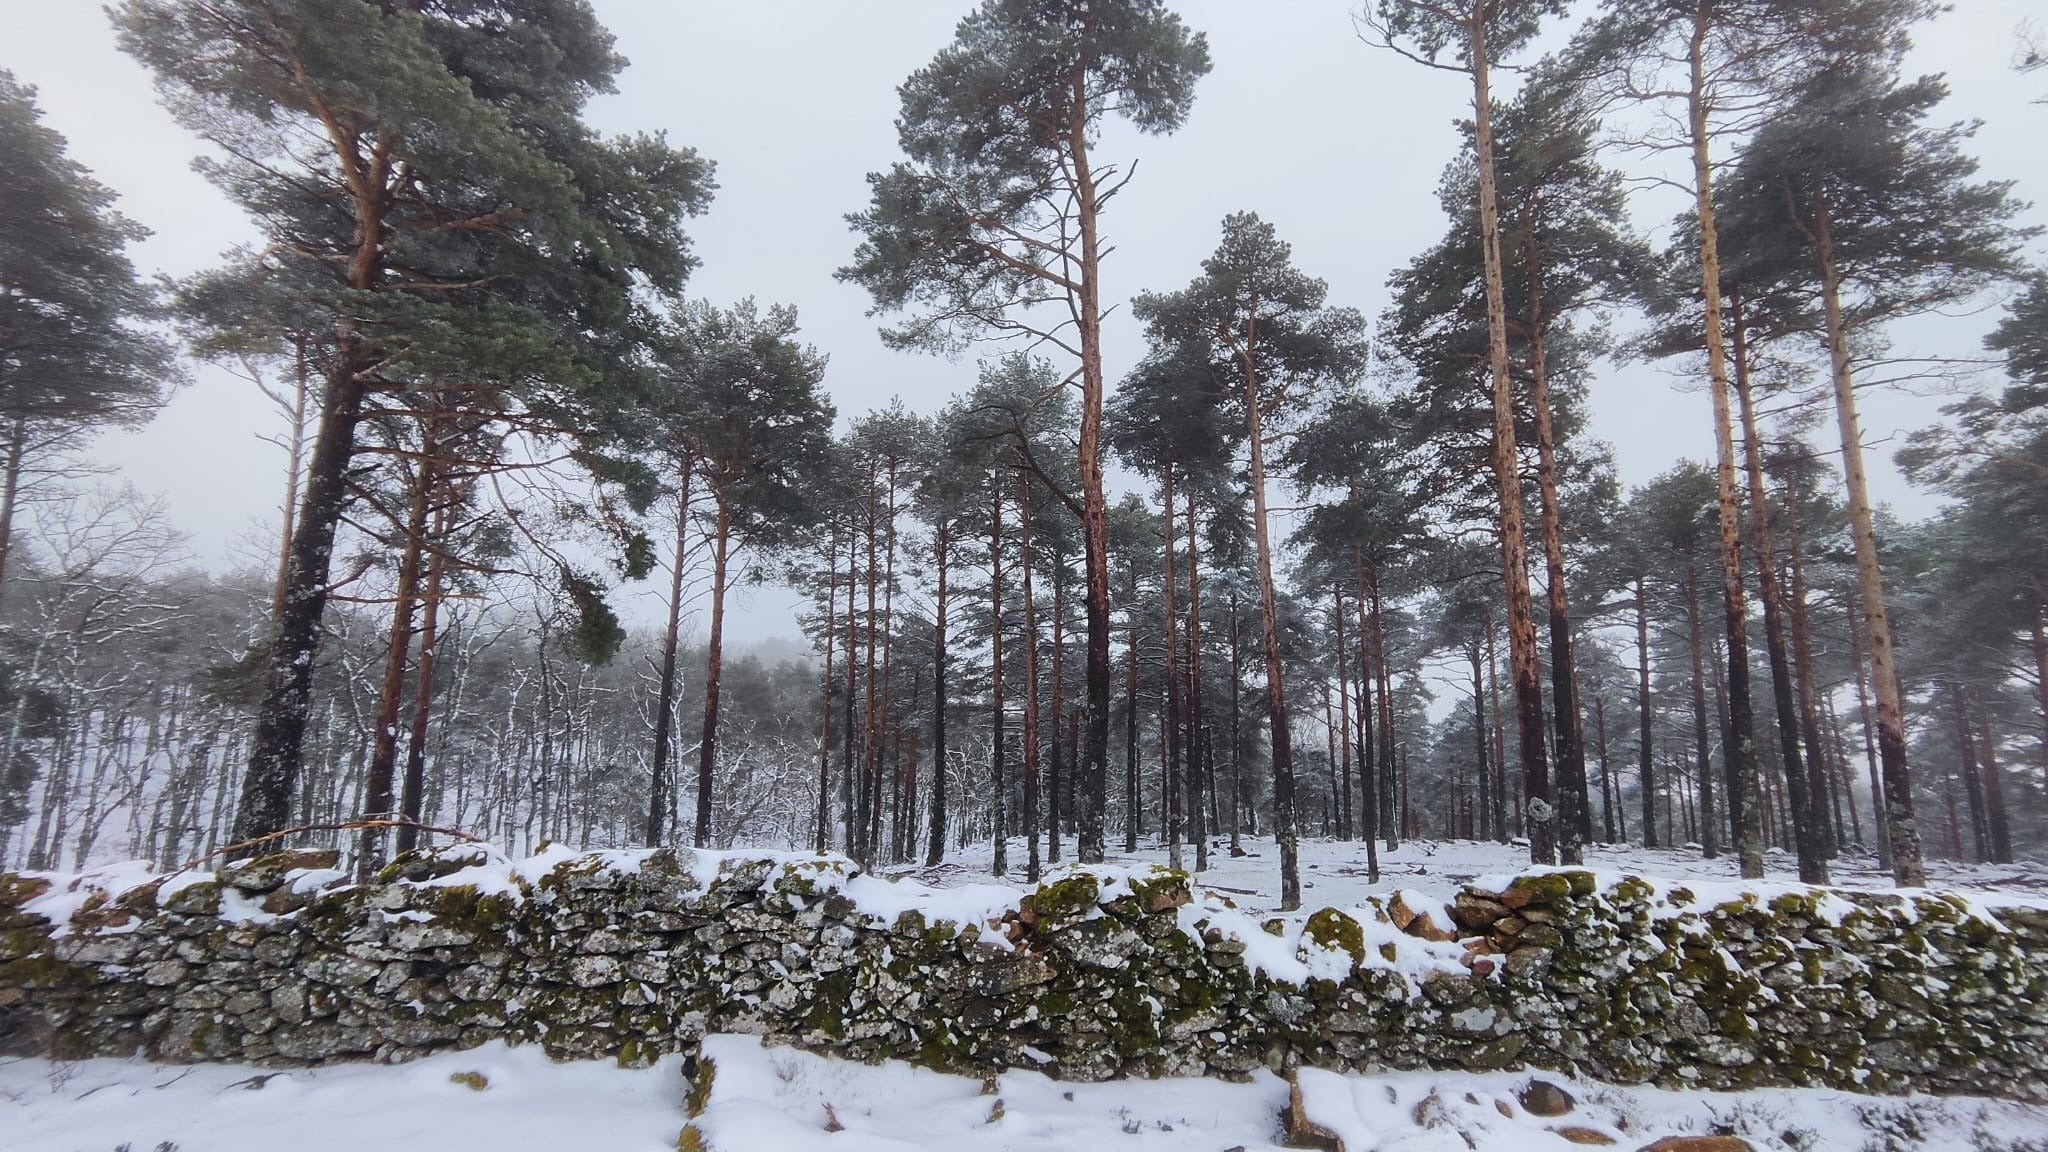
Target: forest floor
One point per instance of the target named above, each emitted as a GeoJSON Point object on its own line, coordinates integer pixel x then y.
{"type": "Point", "coordinates": [778, 1100]}
{"type": "Point", "coordinates": [1334, 871]}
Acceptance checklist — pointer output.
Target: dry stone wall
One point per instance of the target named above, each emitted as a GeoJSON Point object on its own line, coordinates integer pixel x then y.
{"type": "Point", "coordinates": [1094, 975]}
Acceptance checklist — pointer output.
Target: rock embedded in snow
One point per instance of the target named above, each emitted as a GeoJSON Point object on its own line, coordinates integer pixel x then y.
{"type": "Point", "coordinates": [1542, 1098]}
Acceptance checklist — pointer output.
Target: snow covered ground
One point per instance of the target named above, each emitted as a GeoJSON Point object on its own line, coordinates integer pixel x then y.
{"type": "Point", "coordinates": [515, 1100]}
{"type": "Point", "coordinates": [1334, 871]}
{"type": "Point", "coordinates": [778, 1100]}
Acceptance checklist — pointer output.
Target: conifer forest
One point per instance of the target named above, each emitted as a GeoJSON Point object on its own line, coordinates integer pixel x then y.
{"type": "Point", "coordinates": [1302, 568]}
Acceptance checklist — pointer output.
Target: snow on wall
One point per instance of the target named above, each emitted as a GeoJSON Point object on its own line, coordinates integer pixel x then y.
{"type": "Point", "coordinates": [1095, 974]}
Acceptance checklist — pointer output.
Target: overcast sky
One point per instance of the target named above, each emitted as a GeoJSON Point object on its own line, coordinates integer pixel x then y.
{"type": "Point", "coordinates": [1339, 146]}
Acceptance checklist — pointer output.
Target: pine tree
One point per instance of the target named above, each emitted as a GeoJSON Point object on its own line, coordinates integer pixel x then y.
{"type": "Point", "coordinates": [1566, 253]}
{"type": "Point", "coordinates": [430, 202]}
{"type": "Point", "coordinates": [1168, 420]}
{"type": "Point", "coordinates": [1757, 316]}
{"type": "Point", "coordinates": [1254, 318]}
{"type": "Point", "coordinates": [1729, 62]}
{"type": "Point", "coordinates": [998, 207]}
{"type": "Point", "coordinates": [750, 409]}
{"type": "Point", "coordinates": [1364, 537]}
{"type": "Point", "coordinates": [2022, 336]}
{"type": "Point", "coordinates": [74, 353]}
{"type": "Point", "coordinates": [1478, 35]}
{"type": "Point", "coordinates": [1871, 214]}
{"type": "Point", "coordinates": [946, 500]}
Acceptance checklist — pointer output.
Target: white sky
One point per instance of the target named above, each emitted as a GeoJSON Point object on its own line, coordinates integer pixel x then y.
{"type": "Point", "coordinates": [1340, 147]}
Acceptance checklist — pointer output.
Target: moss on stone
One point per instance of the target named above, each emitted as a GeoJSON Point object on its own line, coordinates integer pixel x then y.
{"type": "Point", "coordinates": [201, 899]}
{"type": "Point", "coordinates": [1796, 904]}
{"type": "Point", "coordinates": [1329, 928]}
{"type": "Point", "coordinates": [334, 914]}
{"type": "Point", "coordinates": [17, 890]}
{"type": "Point", "coordinates": [829, 997]}
{"type": "Point", "coordinates": [634, 1052]}
{"type": "Point", "coordinates": [463, 906]}
{"type": "Point", "coordinates": [1551, 887]}
{"type": "Point", "coordinates": [45, 971]}
{"type": "Point", "coordinates": [1133, 1031]}
{"type": "Point", "coordinates": [1633, 888]}
{"type": "Point", "coordinates": [1610, 1000]}
{"type": "Point", "coordinates": [1162, 890]}
{"type": "Point", "coordinates": [1065, 899]}
{"type": "Point", "coordinates": [16, 943]}
{"type": "Point", "coordinates": [699, 1076]}
{"type": "Point", "coordinates": [801, 879]}
{"type": "Point", "coordinates": [942, 1049]}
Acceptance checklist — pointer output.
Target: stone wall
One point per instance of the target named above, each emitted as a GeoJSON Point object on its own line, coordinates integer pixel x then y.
{"type": "Point", "coordinates": [1097, 974]}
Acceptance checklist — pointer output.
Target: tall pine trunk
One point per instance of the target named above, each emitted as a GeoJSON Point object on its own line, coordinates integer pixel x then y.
{"type": "Point", "coordinates": [412, 792]}
{"type": "Point", "coordinates": [1058, 763]}
{"type": "Point", "coordinates": [660, 783]}
{"type": "Point", "coordinates": [1644, 761]}
{"type": "Point", "coordinates": [1241, 807]}
{"type": "Point", "coordinates": [1507, 818]}
{"type": "Point", "coordinates": [821, 839]}
{"type": "Point", "coordinates": [870, 728]}
{"type": "Point", "coordinates": [1484, 761]}
{"type": "Point", "coordinates": [276, 750]}
{"type": "Point", "coordinates": [847, 789]}
{"type": "Point", "coordinates": [998, 719]}
{"type": "Point", "coordinates": [1703, 774]}
{"type": "Point", "coordinates": [1094, 511]}
{"type": "Point", "coordinates": [378, 790]}
{"type": "Point", "coordinates": [1341, 762]}
{"type": "Point", "coordinates": [1739, 751]}
{"type": "Point", "coordinates": [1802, 657]}
{"type": "Point", "coordinates": [1134, 807]}
{"type": "Point", "coordinates": [888, 653]}
{"type": "Point", "coordinates": [714, 663]}
{"type": "Point", "coordinates": [1610, 794]}
{"type": "Point", "coordinates": [1573, 821]}
{"type": "Point", "coordinates": [1390, 807]}
{"type": "Point", "coordinates": [1269, 631]}
{"type": "Point", "coordinates": [1367, 784]}
{"type": "Point", "coordinates": [1026, 563]}
{"type": "Point", "coordinates": [295, 462]}
{"type": "Point", "coordinates": [1994, 791]}
{"type": "Point", "coordinates": [1973, 778]}
{"type": "Point", "coordinates": [1524, 666]}
{"type": "Point", "coordinates": [942, 548]}
{"type": "Point", "coordinates": [1174, 771]}
{"type": "Point", "coordinates": [1805, 781]}
{"type": "Point", "coordinates": [1907, 868]}
{"type": "Point", "coordinates": [1369, 813]}
{"type": "Point", "coordinates": [1198, 753]}
{"type": "Point", "coordinates": [1877, 804]}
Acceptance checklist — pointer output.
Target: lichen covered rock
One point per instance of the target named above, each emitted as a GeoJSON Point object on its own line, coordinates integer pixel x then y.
{"type": "Point", "coordinates": [1096, 973]}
